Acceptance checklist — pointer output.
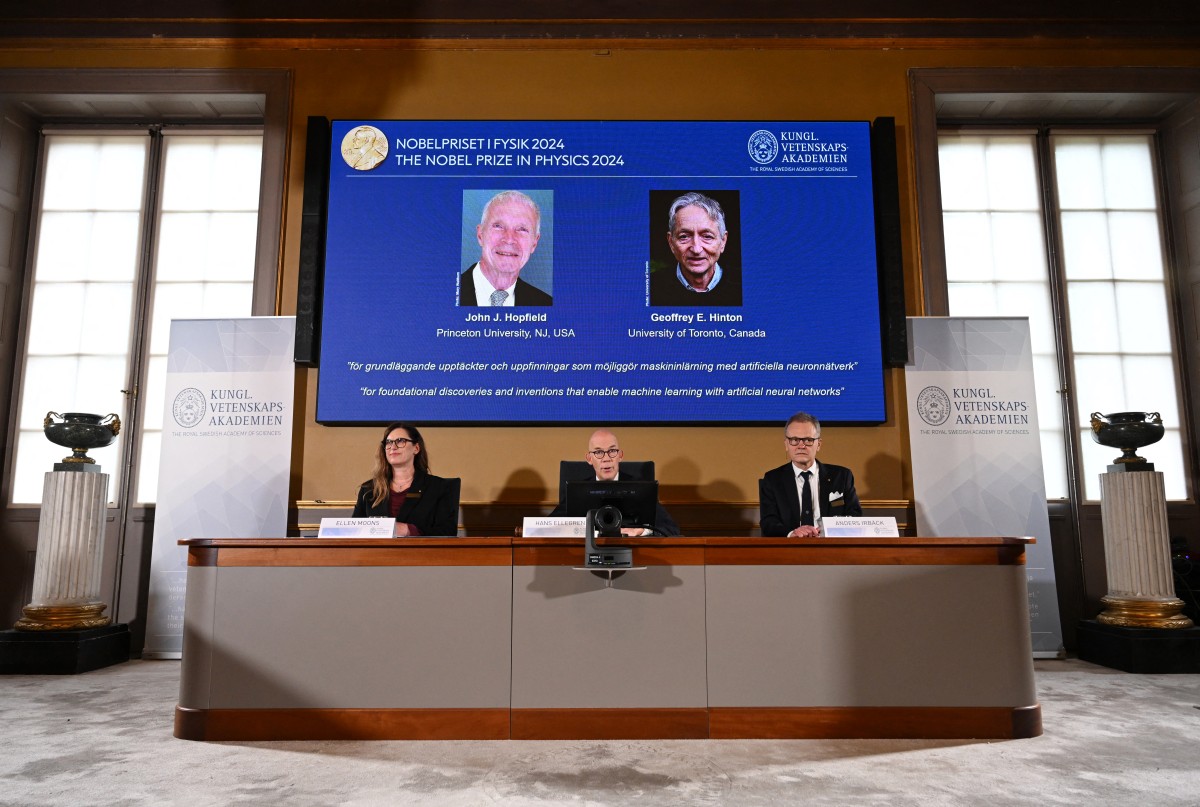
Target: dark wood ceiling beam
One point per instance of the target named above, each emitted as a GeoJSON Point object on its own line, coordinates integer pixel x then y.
{"type": "Point", "coordinates": [597, 19]}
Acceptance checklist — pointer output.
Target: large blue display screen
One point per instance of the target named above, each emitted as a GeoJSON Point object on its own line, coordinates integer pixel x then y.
{"type": "Point", "coordinates": [528, 272]}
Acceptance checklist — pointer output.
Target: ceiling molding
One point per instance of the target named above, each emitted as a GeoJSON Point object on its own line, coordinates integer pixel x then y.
{"type": "Point", "coordinates": [600, 19]}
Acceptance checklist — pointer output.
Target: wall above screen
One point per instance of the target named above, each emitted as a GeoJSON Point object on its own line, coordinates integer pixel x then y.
{"type": "Point", "coordinates": [427, 219]}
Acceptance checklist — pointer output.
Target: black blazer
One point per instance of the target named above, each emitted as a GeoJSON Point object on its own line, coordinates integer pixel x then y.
{"type": "Point", "coordinates": [431, 505]}
{"type": "Point", "coordinates": [523, 293]}
{"type": "Point", "coordinates": [663, 522]}
{"type": "Point", "coordinates": [779, 501]}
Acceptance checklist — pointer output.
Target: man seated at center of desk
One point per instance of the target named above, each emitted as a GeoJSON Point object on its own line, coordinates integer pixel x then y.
{"type": "Point", "coordinates": [604, 455]}
{"type": "Point", "coordinates": [793, 497]}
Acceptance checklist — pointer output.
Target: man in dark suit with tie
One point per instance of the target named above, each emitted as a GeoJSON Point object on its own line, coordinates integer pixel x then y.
{"type": "Point", "coordinates": [508, 233]}
{"type": "Point", "coordinates": [794, 496]}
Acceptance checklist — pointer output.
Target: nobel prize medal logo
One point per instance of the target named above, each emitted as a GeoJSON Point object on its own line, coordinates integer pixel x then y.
{"type": "Point", "coordinates": [364, 147]}
{"type": "Point", "coordinates": [189, 407]}
{"type": "Point", "coordinates": [933, 405]}
{"type": "Point", "coordinates": [763, 147]}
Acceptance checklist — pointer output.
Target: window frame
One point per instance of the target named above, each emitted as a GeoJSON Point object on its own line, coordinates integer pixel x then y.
{"type": "Point", "coordinates": [268, 91]}
{"type": "Point", "coordinates": [126, 465]}
{"type": "Point", "coordinates": [1042, 135]}
{"type": "Point", "coordinates": [1128, 98]}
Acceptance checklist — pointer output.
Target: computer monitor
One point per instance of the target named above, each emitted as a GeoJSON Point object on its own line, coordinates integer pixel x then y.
{"type": "Point", "coordinates": [637, 500]}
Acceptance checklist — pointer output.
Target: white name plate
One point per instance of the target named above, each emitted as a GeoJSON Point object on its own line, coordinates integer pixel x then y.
{"type": "Point", "coordinates": [553, 527]}
{"type": "Point", "coordinates": [382, 527]}
{"type": "Point", "coordinates": [859, 527]}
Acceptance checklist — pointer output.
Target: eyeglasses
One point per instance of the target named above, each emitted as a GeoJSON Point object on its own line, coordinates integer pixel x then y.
{"type": "Point", "coordinates": [601, 453]}
{"type": "Point", "coordinates": [795, 441]}
{"type": "Point", "coordinates": [399, 442]}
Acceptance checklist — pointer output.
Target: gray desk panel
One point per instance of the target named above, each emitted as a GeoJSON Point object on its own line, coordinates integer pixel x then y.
{"type": "Point", "coordinates": [199, 609]}
{"type": "Point", "coordinates": [782, 636]}
{"type": "Point", "coordinates": [355, 637]}
{"type": "Point", "coordinates": [639, 644]}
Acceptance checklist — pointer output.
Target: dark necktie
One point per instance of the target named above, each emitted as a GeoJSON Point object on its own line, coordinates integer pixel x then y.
{"type": "Point", "coordinates": [806, 510]}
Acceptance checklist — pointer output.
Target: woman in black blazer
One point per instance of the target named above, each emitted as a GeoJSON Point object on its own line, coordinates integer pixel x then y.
{"type": "Point", "coordinates": [403, 488]}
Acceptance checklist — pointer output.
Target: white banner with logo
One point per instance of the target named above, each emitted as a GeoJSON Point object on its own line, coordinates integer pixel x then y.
{"type": "Point", "coordinates": [226, 451]}
{"type": "Point", "coordinates": [976, 453]}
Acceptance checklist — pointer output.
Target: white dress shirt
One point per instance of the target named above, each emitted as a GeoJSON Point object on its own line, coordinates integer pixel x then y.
{"type": "Point", "coordinates": [484, 289]}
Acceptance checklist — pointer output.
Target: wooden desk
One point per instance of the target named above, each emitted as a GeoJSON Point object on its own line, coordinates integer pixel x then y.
{"type": "Point", "coordinates": [491, 638]}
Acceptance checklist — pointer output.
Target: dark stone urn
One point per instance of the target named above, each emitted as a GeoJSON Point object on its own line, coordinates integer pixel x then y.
{"type": "Point", "coordinates": [1128, 431]}
{"type": "Point", "coordinates": [80, 431]}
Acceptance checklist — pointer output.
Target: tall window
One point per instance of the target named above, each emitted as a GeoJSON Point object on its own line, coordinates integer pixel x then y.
{"type": "Point", "coordinates": [1066, 227]}
{"type": "Point", "coordinates": [133, 229]}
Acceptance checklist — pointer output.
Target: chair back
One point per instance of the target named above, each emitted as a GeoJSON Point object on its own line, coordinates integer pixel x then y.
{"type": "Point", "coordinates": [455, 485]}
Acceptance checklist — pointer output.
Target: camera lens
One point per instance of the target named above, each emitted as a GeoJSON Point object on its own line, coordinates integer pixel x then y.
{"type": "Point", "coordinates": [607, 519]}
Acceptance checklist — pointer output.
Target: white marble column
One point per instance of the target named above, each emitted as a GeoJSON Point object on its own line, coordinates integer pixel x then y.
{"type": "Point", "coordinates": [66, 573]}
{"type": "Point", "coordinates": [1137, 550]}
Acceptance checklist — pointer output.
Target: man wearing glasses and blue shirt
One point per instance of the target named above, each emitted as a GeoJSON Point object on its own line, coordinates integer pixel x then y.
{"type": "Point", "coordinates": [795, 496]}
{"type": "Point", "coordinates": [604, 455]}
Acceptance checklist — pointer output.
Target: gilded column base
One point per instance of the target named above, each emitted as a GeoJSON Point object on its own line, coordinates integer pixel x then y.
{"type": "Point", "coordinates": [62, 617]}
{"type": "Point", "coordinates": [1128, 612]}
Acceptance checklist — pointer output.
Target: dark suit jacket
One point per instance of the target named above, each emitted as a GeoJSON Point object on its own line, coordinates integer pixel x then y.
{"type": "Point", "coordinates": [431, 505]}
{"type": "Point", "coordinates": [523, 293]}
{"type": "Point", "coordinates": [779, 501]}
{"type": "Point", "coordinates": [663, 522]}
{"type": "Point", "coordinates": [665, 289]}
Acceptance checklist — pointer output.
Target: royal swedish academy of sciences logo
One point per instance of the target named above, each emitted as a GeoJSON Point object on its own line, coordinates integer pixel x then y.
{"type": "Point", "coordinates": [933, 405]}
{"type": "Point", "coordinates": [189, 407]}
{"type": "Point", "coordinates": [763, 147]}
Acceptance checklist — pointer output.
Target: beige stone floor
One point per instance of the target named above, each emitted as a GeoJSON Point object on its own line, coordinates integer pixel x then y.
{"type": "Point", "coordinates": [104, 738]}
